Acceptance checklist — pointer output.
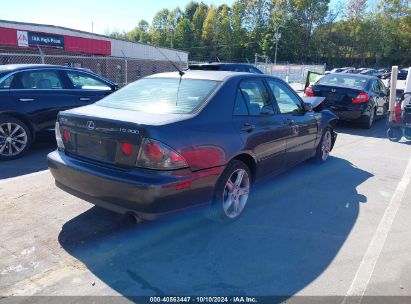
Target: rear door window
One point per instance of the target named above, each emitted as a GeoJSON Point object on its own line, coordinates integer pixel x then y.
{"type": "Point", "coordinates": [256, 96]}
{"type": "Point", "coordinates": [41, 80]}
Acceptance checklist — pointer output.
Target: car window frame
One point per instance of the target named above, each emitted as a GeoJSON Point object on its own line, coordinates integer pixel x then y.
{"type": "Point", "coordinates": [270, 99]}
{"type": "Point", "coordinates": [302, 112]}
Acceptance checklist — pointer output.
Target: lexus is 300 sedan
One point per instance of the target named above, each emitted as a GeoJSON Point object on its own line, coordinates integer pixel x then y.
{"type": "Point", "coordinates": [169, 142]}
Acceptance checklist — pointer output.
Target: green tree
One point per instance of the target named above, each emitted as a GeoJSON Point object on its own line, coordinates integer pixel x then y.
{"type": "Point", "coordinates": [208, 36]}
{"type": "Point", "coordinates": [190, 10]}
{"type": "Point", "coordinates": [184, 34]}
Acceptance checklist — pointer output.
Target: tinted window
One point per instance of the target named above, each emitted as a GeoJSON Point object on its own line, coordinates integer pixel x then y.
{"type": "Point", "coordinates": [6, 83]}
{"type": "Point", "coordinates": [161, 95]}
{"type": "Point", "coordinates": [86, 82]}
{"type": "Point", "coordinates": [255, 96]}
{"type": "Point", "coordinates": [286, 100]}
{"type": "Point", "coordinates": [344, 80]}
{"type": "Point", "coordinates": [41, 80]}
{"type": "Point", "coordinates": [375, 87]}
{"type": "Point", "coordinates": [240, 107]}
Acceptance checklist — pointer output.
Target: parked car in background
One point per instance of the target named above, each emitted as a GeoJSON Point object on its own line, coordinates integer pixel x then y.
{"type": "Point", "coordinates": [350, 71]}
{"type": "Point", "coordinates": [339, 70]}
{"type": "Point", "coordinates": [353, 97]}
{"type": "Point", "coordinates": [169, 142]}
{"type": "Point", "coordinates": [234, 67]}
{"type": "Point", "coordinates": [32, 95]}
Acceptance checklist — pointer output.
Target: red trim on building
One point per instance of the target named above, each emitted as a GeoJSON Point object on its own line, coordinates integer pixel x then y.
{"type": "Point", "coordinates": [8, 37]}
{"type": "Point", "coordinates": [87, 45]}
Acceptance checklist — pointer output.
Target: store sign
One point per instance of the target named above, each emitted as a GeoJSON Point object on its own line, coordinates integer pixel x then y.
{"type": "Point", "coordinates": [26, 39]}
{"type": "Point", "coordinates": [22, 38]}
{"type": "Point", "coordinates": [45, 40]}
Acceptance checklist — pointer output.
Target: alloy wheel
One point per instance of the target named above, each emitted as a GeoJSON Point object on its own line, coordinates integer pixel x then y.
{"type": "Point", "coordinates": [13, 139]}
{"type": "Point", "coordinates": [235, 193]}
{"type": "Point", "coordinates": [326, 145]}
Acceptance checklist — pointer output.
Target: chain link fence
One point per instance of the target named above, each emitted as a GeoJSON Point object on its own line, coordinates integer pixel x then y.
{"type": "Point", "coordinates": [121, 70]}
{"type": "Point", "coordinates": [294, 74]}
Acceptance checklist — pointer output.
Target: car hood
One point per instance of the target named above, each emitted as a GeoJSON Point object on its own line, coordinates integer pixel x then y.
{"type": "Point", "coordinates": [136, 117]}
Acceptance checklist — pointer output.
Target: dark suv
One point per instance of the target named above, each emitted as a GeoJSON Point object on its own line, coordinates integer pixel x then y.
{"type": "Point", "coordinates": [32, 95]}
{"type": "Point", "coordinates": [233, 67]}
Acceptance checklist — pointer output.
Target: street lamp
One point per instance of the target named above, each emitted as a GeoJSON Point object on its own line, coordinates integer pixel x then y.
{"type": "Point", "coordinates": [277, 37]}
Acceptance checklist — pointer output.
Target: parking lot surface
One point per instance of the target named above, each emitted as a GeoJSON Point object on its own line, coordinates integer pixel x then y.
{"type": "Point", "coordinates": [337, 229]}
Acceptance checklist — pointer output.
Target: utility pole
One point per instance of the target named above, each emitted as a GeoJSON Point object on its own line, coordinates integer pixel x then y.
{"type": "Point", "coordinates": [277, 37]}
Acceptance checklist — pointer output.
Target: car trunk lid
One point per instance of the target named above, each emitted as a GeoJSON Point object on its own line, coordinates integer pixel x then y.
{"type": "Point", "coordinates": [335, 95]}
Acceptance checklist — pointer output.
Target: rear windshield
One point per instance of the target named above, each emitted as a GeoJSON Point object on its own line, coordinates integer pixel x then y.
{"type": "Point", "coordinates": [344, 80]}
{"type": "Point", "coordinates": [161, 95]}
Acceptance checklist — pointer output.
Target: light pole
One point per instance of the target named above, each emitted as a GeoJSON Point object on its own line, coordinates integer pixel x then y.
{"type": "Point", "coordinates": [277, 37]}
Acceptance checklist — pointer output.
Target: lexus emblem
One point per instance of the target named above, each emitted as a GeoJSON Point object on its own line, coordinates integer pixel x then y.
{"type": "Point", "coordinates": [90, 125]}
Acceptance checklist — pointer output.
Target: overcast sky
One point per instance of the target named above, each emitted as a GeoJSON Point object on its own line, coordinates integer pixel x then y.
{"type": "Point", "coordinates": [106, 15]}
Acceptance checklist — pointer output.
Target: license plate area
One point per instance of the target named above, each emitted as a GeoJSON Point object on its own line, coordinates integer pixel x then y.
{"type": "Point", "coordinates": [100, 149]}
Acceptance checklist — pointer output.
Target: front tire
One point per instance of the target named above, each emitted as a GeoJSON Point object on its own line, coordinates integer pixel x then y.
{"type": "Point", "coordinates": [231, 192]}
{"type": "Point", "coordinates": [15, 138]}
{"type": "Point", "coordinates": [324, 147]}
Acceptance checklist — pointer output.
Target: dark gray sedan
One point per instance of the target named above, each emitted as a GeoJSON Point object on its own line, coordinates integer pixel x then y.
{"type": "Point", "coordinates": [167, 143]}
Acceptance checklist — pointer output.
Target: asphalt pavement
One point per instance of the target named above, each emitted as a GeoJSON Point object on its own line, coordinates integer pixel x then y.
{"type": "Point", "coordinates": [338, 229]}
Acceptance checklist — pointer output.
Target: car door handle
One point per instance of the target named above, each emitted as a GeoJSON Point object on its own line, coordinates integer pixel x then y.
{"type": "Point", "coordinates": [248, 127]}
{"type": "Point", "coordinates": [84, 99]}
{"type": "Point", "coordinates": [26, 99]}
{"type": "Point", "coordinates": [289, 122]}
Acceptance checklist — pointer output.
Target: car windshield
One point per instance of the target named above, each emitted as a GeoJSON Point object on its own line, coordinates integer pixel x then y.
{"type": "Point", "coordinates": [343, 80]}
{"type": "Point", "coordinates": [161, 95]}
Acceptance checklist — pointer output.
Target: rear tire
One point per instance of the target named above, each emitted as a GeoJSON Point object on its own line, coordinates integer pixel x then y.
{"type": "Point", "coordinates": [231, 193]}
{"type": "Point", "coordinates": [368, 121]}
{"type": "Point", "coordinates": [15, 138]}
{"type": "Point", "coordinates": [324, 147]}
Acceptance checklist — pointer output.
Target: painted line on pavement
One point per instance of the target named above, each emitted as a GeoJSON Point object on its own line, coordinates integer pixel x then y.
{"type": "Point", "coordinates": [365, 270]}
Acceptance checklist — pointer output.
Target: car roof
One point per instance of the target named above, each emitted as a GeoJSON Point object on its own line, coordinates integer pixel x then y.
{"type": "Point", "coordinates": [207, 75]}
{"type": "Point", "coordinates": [355, 75]}
{"type": "Point", "coordinates": [220, 64]}
{"type": "Point", "coordinates": [17, 67]}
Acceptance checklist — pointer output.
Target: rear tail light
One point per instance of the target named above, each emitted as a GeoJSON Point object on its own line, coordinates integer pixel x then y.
{"type": "Point", "coordinates": [397, 112]}
{"type": "Point", "coordinates": [156, 155]}
{"type": "Point", "coordinates": [66, 135]}
{"type": "Point", "coordinates": [59, 139]}
{"type": "Point", "coordinates": [126, 148]}
{"type": "Point", "coordinates": [362, 97]}
{"type": "Point", "coordinates": [309, 91]}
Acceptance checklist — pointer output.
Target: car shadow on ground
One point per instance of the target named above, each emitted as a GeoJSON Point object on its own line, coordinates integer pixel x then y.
{"type": "Point", "coordinates": [378, 130]}
{"type": "Point", "coordinates": [33, 161]}
{"type": "Point", "coordinates": [290, 232]}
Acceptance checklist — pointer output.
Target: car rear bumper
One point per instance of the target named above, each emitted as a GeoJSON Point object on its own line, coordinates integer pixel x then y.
{"type": "Point", "coordinates": [348, 113]}
{"type": "Point", "coordinates": [146, 193]}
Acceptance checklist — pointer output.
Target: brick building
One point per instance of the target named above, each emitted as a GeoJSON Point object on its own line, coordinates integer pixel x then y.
{"type": "Point", "coordinates": [121, 61]}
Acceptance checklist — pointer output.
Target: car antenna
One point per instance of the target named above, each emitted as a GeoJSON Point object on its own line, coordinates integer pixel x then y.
{"type": "Point", "coordinates": [180, 72]}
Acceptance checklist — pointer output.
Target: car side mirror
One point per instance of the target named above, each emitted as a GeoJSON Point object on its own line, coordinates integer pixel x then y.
{"type": "Point", "coordinates": [115, 87]}
{"type": "Point", "coordinates": [308, 107]}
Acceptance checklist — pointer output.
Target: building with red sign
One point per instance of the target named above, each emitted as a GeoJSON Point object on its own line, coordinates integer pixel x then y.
{"type": "Point", "coordinates": [119, 60]}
